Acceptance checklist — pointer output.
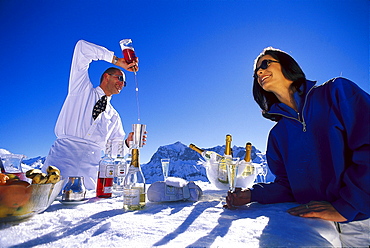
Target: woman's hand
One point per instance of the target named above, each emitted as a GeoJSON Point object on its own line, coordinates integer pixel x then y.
{"type": "Point", "coordinates": [317, 209]}
{"type": "Point", "coordinates": [238, 198]}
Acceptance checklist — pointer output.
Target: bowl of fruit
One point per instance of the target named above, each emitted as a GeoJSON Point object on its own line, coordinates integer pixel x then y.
{"type": "Point", "coordinates": [23, 198]}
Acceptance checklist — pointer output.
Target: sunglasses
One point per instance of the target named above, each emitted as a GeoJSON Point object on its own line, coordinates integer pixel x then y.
{"type": "Point", "coordinates": [120, 78]}
{"type": "Point", "coordinates": [264, 64]}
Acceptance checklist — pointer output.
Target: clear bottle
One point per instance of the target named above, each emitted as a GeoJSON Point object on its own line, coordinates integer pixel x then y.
{"type": "Point", "coordinates": [207, 155]}
{"type": "Point", "coordinates": [227, 158]}
{"type": "Point", "coordinates": [104, 186]}
{"type": "Point", "coordinates": [120, 169]}
{"type": "Point", "coordinates": [249, 168]}
{"type": "Point", "coordinates": [134, 192]}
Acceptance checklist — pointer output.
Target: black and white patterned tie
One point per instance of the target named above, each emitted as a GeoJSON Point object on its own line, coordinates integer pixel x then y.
{"type": "Point", "coordinates": [99, 107]}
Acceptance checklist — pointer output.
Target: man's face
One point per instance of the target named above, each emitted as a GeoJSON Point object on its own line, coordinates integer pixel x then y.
{"type": "Point", "coordinates": [113, 83]}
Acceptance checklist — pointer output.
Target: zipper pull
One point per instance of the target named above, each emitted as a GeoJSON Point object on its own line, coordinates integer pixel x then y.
{"type": "Point", "coordinates": [303, 122]}
{"type": "Point", "coordinates": [304, 126]}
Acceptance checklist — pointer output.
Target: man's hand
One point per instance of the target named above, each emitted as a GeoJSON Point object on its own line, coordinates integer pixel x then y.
{"type": "Point", "coordinates": [317, 209]}
{"type": "Point", "coordinates": [121, 62]}
{"type": "Point", "coordinates": [238, 198]}
{"type": "Point", "coordinates": [130, 137]}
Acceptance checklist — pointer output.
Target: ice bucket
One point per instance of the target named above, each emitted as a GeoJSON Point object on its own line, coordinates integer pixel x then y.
{"type": "Point", "coordinates": [241, 181]}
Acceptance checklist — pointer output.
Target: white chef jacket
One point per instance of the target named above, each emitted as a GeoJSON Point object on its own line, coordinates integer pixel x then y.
{"type": "Point", "coordinates": [80, 138]}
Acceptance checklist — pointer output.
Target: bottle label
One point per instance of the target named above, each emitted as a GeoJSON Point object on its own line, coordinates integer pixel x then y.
{"type": "Point", "coordinates": [131, 196]}
{"type": "Point", "coordinates": [249, 170]}
{"type": "Point", "coordinates": [132, 170]}
{"type": "Point", "coordinates": [120, 171]}
{"type": "Point", "coordinates": [106, 171]}
{"type": "Point", "coordinates": [222, 172]}
{"type": "Point", "coordinates": [108, 189]}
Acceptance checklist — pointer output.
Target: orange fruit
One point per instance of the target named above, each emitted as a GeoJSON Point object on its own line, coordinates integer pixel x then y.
{"type": "Point", "coordinates": [16, 194]}
{"type": "Point", "coordinates": [3, 178]}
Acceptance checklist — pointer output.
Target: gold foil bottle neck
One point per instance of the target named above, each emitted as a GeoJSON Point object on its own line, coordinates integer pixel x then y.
{"type": "Point", "coordinates": [135, 158]}
{"type": "Point", "coordinates": [228, 145]}
{"type": "Point", "coordinates": [248, 151]}
{"type": "Point", "coordinates": [195, 148]}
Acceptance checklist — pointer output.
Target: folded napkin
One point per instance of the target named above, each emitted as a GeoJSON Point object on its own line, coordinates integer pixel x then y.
{"type": "Point", "coordinates": [174, 189]}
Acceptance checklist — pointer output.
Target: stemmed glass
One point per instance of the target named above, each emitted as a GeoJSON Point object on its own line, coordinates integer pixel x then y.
{"type": "Point", "coordinates": [165, 165]}
{"type": "Point", "coordinates": [264, 172]}
{"type": "Point", "coordinates": [259, 174]}
{"type": "Point", "coordinates": [232, 172]}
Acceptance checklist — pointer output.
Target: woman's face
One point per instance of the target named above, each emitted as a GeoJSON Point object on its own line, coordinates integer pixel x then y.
{"type": "Point", "coordinates": [271, 78]}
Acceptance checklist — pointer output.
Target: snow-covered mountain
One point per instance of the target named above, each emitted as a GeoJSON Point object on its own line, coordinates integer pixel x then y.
{"type": "Point", "coordinates": [185, 162]}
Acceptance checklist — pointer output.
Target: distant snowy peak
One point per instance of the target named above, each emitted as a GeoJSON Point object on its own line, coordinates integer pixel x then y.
{"type": "Point", "coordinates": [3, 151]}
{"type": "Point", "coordinates": [176, 152]}
{"type": "Point", "coordinates": [36, 162]}
{"type": "Point", "coordinates": [181, 152]}
{"type": "Point", "coordinates": [185, 161]}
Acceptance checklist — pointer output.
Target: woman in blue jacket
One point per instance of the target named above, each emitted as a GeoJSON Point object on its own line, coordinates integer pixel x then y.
{"type": "Point", "coordinates": [319, 149]}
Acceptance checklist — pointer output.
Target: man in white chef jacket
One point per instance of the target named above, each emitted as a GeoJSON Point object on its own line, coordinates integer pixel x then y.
{"type": "Point", "coordinates": [80, 137]}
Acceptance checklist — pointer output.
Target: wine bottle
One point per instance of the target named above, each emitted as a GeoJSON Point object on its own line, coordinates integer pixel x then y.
{"type": "Point", "coordinates": [2, 169]}
{"type": "Point", "coordinates": [120, 169]}
{"type": "Point", "coordinates": [249, 168]}
{"type": "Point", "coordinates": [207, 155]}
{"type": "Point", "coordinates": [104, 186]}
{"type": "Point", "coordinates": [222, 166]}
{"type": "Point", "coordinates": [134, 192]}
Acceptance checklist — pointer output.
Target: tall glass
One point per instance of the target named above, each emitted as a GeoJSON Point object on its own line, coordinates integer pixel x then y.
{"type": "Point", "coordinates": [232, 171]}
{"type": "Point", "coordinates": [165, 166]}
{"type": "Point", "coordinates": [139, 131]}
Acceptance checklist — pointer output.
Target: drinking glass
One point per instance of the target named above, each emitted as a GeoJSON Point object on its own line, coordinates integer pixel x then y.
{"type": "Point", "coordinates": [232, 172]}
{"type": "Point", "coordinates": [12, 163]}
{"type": "Point", "coordinates": [264, 172]}
{"type": "Point", "coordinates": [165, 165]}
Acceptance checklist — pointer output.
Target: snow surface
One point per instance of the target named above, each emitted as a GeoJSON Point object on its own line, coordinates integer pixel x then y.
{"type": "Point", "coordinates": [104, 223]}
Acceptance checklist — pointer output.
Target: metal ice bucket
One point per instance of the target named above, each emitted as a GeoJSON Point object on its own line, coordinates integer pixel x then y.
{"type": "Point", "coordinates": [74, 190]}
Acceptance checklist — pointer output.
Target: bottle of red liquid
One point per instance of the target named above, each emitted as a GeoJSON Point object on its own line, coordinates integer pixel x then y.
{"type": "Point", "coordinates": [128, 50]}
{"type": "Point", "coordinates": [104, 186]}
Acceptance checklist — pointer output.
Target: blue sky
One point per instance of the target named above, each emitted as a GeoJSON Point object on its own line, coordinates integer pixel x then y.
{"type": "Point", "coordinates": [196, 62]}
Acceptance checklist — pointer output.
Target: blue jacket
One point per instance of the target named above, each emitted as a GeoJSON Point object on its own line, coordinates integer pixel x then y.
{"type": "Point", "coordinates": [321, 153]}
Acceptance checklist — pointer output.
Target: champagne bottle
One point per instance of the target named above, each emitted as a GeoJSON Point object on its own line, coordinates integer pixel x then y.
{"type": "Point", "coordinates": [207, 155]}
{"type": "Point", "coordinates": [249, 168]}
{"type": "Point", "coordinates": [104, 186]}
{"type": "Point", "coordinates": [120, 169]}
{"type": "Point", "coordinates": [134, 192]}
{"type": "Point", "coordinates": [222, 166]}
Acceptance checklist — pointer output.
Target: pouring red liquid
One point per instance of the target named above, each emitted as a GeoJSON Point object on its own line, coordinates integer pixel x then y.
{"type": "Point", "coordinates": [129, 55]}
{"type": "Point", "coordinates": [128, 50]}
